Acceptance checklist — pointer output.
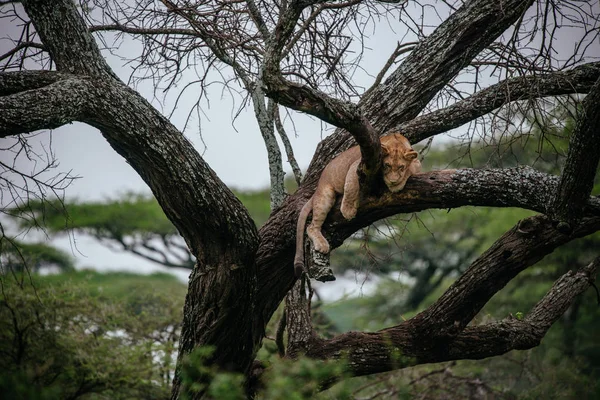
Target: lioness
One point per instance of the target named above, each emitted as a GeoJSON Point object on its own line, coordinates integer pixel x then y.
{"type": "Point", "coordinates": [340, 177]}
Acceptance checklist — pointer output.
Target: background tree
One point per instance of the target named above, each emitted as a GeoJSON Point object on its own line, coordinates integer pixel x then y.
{"type": "Point", "coordinates": [133, 223]}
{"type": "Point", "coordinates": [296, 53]}
{"type": "Point", "coordinates": [82, 333]}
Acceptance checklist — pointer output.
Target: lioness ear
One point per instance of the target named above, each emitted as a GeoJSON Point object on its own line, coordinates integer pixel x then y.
{"type": "Point", "coordinates": [410, 155]}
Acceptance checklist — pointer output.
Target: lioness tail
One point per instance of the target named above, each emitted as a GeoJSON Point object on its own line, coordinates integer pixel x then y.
{"type": "Point", "coordinates": [299, 258]}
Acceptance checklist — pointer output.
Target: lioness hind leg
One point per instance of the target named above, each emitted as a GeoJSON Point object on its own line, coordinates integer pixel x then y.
{"type": "Point", "coordinates": [351, 192]}
{"type": "Point", "coordinates": [323, 200]}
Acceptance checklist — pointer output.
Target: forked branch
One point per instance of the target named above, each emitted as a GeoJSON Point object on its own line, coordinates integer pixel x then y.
{"type": "Point", "coordinates": [415, 342]}
{"type": "Point", "coordinates": [47, 107]}
{"type": "Point", "coordinates": [578, 80]}
{"type": "Point", "coordinates": [342, 114]}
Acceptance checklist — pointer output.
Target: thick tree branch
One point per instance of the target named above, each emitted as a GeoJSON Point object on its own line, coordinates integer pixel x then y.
{"type": "Point", "coordinates": [413, 343]}
{"type": "Point", "coordinates": [515, 187]}
{"type": "Point", "coordinates": [187, 189]}
{"type": "Point", "coordinates": [437, 59]}
{"type": "Point", "coordinates": [578, 80]}
{"type": "Point", "coordinates": [47, 107]}
{"type": "Point", "coordinates": [429, 67]}
{"type": "Point", "coordinates": [525, 244]}
{"type": "Point", "coordinates": [577, 179]}
{"type": "Point", "coordinates": [20, 81]}
{"type": "Point", "coordinates": [67, 40]}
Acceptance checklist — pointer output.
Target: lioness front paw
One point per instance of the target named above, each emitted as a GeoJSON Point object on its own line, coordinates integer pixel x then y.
{"type": "Point", "coordinates": [321, 246]}
{"type": "Point", "coordinates": [348, 212]}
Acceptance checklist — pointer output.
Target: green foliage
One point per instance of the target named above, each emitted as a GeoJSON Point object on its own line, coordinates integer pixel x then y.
{"type": "Point", "coordinates": [257, 203]}
{"type": "Point", "coordinates": [63, 336]}
{"type": "Point", "coordinates": [134, 223]}
{"type": "Point", "coordinates": [199, 376]}
{"type": "Point", "coordinates": [300, 379]}
{"type": "Point", "coordinates": [132, 214]}
{"type": "Point", "coordinates": [17, 256]}
{"type": "Point", "coordinates": [283, 379]}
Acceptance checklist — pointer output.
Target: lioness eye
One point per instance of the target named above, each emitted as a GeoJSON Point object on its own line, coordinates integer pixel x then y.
{"type": "Point", "coordinates": [387, 167]}
{"type": "Point", "coordinates": [401, 168]}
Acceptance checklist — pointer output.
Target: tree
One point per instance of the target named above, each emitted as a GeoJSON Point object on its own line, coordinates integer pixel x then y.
{"type": "Point", "coordinates": [292, 52]}
{"type": "Point", "coordinates": [133, 223]}
{"type": "Point", "coordinates": [78, 333]}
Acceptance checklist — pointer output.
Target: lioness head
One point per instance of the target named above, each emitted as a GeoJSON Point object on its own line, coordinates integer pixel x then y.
{"type": "Point", "coordinates": [397, 159]}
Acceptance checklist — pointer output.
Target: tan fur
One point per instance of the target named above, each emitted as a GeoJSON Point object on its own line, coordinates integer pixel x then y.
{"type": "Point", "coordinates": [340, 177]}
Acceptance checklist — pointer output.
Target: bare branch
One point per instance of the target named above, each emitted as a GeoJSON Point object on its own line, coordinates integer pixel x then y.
{"type": "Point", "coordinates": [413, 342]}
{"type": "Point", "coordinates": [401, 48]}
{"type": "Point", "coordinates": [258, 20]}
{"type": "Point", "coordinates": [339, 113]}
{"type": "Point", "coordinates": [65, 37]}
{"type": "Point", "coordinates": [287, 145]}
{"type": "Point", "coordinates": [577, 80]}
{"type": "Point", "coordinates": [47, 107]}
{"type": "Point", "coordinates": [19, 47]}
{"type": "Point", "coordinates": [145, 31]}
{"type": "Point", "coordinates": [577, 179]}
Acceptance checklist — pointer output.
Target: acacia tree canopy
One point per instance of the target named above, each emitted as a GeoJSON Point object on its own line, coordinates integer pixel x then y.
{"type": "Point", "coordinates": [242, 274]}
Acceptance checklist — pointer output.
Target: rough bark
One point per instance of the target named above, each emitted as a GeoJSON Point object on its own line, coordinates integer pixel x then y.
{"type": "Point", "coordinates": [430, 66]}
{"type": "Point", "coordinates": [15, 82]}
{"type": "Point", "coordinates": [577, 80]}
{"type": "Point", "coordinates": [417, 341]}
{"type": "Point", "coordinates": [77, 52]}
{"type": "Point", "coordinates": [241, 276]}
{"type": "Point", "coordinates": [577, 179]}
{"type": "Point", "coordinates": [64, 101]}
{"type": "Point", "coordinates": [298, 318]}
{"type": "Point", "coordinates": [217, 228]}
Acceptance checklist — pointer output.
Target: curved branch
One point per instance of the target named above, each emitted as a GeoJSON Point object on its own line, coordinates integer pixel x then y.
{"type": "Point", "coordinates": [47, 107]}
{"type": "Point", "coordinates": [429, 67]}
{"type": "Point", "coordinates": [342, 114]}
{"type": "Point", "coordinates": [577, 179]}
{"type": "Point", "coordinates": [413, 343]}
{"type": "Point", "coordinates": [67, 39]}
{"type": "Point", "coordinates": [578, 80]}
